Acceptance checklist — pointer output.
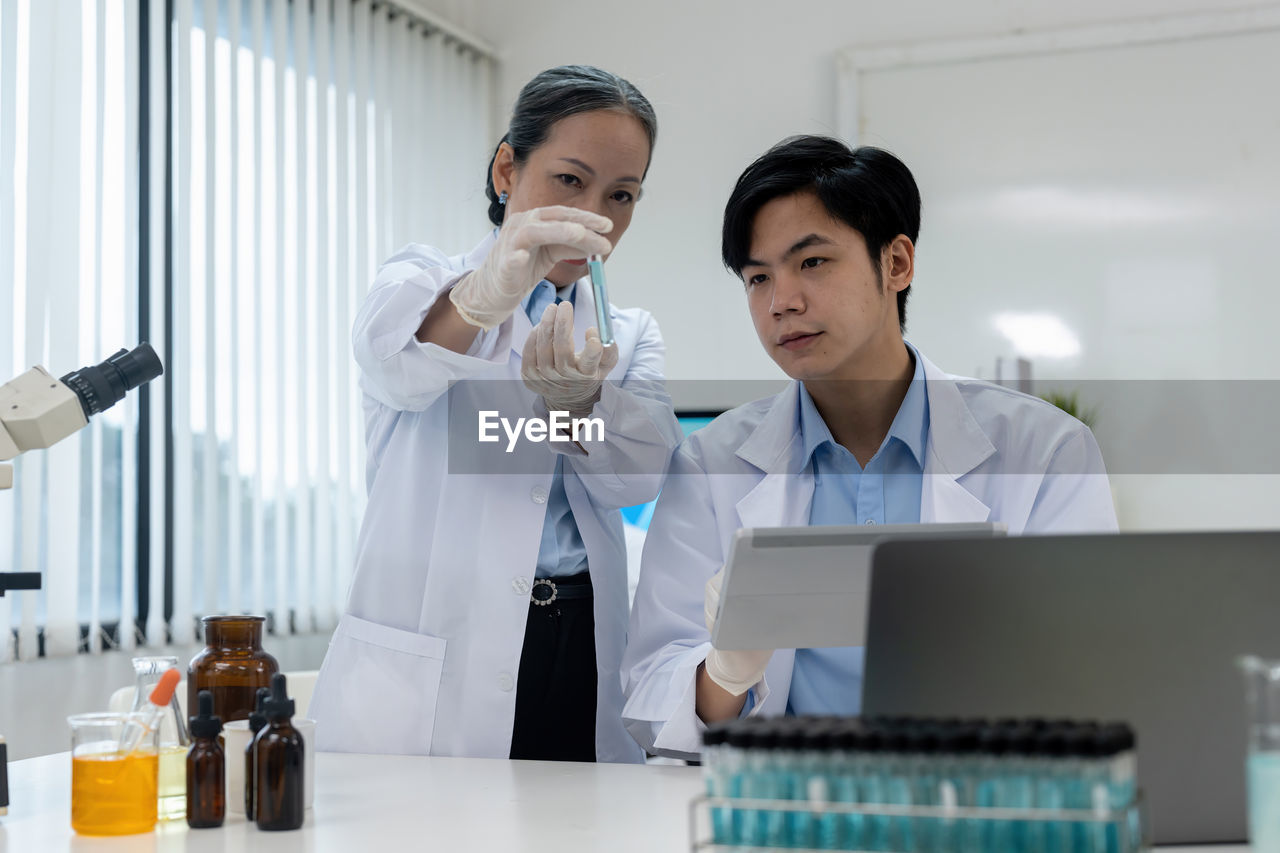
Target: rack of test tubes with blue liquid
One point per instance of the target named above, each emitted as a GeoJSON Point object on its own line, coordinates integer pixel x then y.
{"type": "Point", "coordinates": [918, 784]}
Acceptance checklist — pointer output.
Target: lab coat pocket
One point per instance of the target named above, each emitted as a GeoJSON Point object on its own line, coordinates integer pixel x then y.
{"type": "Point", "coordinates": [377, 689]}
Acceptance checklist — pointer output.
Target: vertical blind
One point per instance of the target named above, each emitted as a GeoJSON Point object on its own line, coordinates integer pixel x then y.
{"type": "Point", "coordinates": [292, 146]}
{"type": "Point", "coordinates": [68, 288]}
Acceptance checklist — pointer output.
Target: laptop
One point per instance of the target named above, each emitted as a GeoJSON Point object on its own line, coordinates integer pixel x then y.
{"type": "Point", "coordinates": [806, 587]}
{"type": "Point", "coordinates": [1144, 628]}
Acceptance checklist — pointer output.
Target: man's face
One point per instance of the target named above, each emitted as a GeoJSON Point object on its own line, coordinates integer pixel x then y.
{"type": "Point", "coordinates": [818, 304]}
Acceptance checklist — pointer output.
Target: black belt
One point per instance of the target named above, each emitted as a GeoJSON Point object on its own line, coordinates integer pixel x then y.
{"type": "Point", "coordinates": [547, 590]}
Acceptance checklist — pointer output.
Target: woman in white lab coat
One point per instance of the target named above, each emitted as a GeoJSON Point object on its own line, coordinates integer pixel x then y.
{"type": "Point", "coordinates": [487, 614]}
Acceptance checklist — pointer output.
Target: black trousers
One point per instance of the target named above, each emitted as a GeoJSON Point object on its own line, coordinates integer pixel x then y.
{"type": "Point", "coordinates": [556, 691]}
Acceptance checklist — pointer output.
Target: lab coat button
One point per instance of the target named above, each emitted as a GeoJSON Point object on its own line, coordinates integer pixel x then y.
{"type": "Point", "coordinates": [538, 494]}
{"type": "Point", "coordinates": [520, 585]}
{"type": "Point", "coordinates": [869, 521]}
{"type": "Point", "coordinates": [505, 682]}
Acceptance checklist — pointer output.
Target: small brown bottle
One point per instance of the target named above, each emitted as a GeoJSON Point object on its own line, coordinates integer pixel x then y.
{"type": "Point", "coordinates": [257, 722]}
{"type": "Point", "coordinates": [206, 769]}
{"type": "Point", "coordinates": [278, 755]}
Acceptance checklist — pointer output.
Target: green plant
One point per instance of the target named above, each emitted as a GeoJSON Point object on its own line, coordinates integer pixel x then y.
{"type": "Point", "coordinates": [1070, 403]}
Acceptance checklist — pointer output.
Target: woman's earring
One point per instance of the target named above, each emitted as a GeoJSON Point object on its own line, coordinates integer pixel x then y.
{"type": "Point", "coordinates": [502, 197]}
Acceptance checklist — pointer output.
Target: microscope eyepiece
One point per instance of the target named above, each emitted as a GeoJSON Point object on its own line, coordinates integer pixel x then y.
{"type": "Point", "coordinates": [101, 386]}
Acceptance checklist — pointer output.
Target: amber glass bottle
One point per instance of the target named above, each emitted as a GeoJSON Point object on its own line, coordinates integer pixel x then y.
{"type": "Point", "coordinates": [278, 749]}
{"type": "Point", "coordinates": [206, 769]}
{"type": "Point", "coordinates": [257, 722]}
{"type": "Point", "coordinates": [231, 666]}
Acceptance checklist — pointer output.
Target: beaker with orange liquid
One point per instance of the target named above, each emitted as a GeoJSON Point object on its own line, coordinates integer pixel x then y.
{"type": "Point", "coordinates": [112, 793]}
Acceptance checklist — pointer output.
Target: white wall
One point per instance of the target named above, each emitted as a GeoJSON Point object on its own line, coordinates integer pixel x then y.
{"type": "Point", "coordinates": [729, 79]}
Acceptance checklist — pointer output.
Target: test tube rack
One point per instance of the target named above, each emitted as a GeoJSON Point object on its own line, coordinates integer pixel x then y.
{"type": "Point", "coordinates": [1121, 830]}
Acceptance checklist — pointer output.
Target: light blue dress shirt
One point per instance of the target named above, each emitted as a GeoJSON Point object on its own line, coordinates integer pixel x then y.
{"type": "Point", "coordinates": [887, 491]}
{"type": "Point", "coordinates": [562, 551]}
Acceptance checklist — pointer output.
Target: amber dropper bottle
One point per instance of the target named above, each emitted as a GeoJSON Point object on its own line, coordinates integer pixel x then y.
{"type": "Point", "coordinates": [257, 722]}
{"type": "Point", "coordinates": [206, 769]}
{"type": "Point", "coordinates": [279, 758]}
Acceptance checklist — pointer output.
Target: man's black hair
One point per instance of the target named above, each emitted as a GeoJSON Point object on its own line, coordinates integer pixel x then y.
{"type": "Point", "coordinates": [868, 189]}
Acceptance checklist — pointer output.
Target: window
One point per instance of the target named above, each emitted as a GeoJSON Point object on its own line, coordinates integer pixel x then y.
{"type": "Point", "coordinates": [237, 169]}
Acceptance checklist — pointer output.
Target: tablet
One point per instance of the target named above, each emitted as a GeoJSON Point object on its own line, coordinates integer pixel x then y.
{"type": "Point", "coordinates": [806, 587]}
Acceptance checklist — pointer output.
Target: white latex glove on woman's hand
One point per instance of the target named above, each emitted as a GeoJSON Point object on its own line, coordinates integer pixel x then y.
{"type": "Point", "coordinates": [529, 244]}
{"type": "Point", "coordinates": [737, 672]}
{"type": "Point", "coordinates": [566, 381]}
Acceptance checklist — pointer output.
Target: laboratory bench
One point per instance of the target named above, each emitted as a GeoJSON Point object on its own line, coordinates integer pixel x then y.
{"type": "Point", "coordinates": [391, 802]}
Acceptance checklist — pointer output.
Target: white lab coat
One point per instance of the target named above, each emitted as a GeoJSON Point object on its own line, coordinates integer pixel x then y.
{"type": "Point", "coordinates": [992, 455]}
{"type": "Point", "coordinates": [426, 656]}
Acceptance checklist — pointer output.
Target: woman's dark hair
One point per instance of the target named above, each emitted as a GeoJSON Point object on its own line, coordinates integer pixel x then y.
{"type": "Point", "coordinates": [868, 189]}
{"type": "Point", "coordinates": [558, 93]}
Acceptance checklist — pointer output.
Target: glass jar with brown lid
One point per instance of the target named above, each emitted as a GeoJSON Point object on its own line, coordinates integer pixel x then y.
{"type": "Point", "coordinates": [232, 665]}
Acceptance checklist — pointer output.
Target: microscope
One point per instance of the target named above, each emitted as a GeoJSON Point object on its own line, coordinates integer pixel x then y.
{"type": "Point", "coordinates": [37, 410]}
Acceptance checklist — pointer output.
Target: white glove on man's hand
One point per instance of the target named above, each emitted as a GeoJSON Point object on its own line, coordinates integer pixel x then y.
{"type": "Point", "coordinates": [529, 244]}
{"type": "Point", "coordinates": [567, 381]}
{"type": "Point", "coordinates": [737, 672]}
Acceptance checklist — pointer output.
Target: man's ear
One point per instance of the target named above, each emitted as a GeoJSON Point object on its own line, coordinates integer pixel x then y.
{"type": "Point", "coordinates": [504, 168]}
{"type": "Point", "coordinates": [898, 260]}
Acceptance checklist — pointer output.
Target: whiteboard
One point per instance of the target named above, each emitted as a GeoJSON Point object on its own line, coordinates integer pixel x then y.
{"type": "Point", "coordinates": [1124, 182]}
{"type": "Point", "coordinates": [1105, 202]}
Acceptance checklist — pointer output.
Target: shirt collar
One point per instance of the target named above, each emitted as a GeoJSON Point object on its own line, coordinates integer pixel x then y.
{"type": "Point", "coordinates": [910, 425]}
{"type": "Point", "coordinates": [565, 293]}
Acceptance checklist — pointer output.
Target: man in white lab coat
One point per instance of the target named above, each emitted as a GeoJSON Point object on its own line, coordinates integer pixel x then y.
{"type": "Point", "coordinates": [869, 432]}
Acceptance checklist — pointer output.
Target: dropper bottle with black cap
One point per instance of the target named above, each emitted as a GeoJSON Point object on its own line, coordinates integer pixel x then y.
{"type": "Point", "coordinates": [206, 769]}
{"type": "Point", "coordinates": [279, 757]}
{"type": "Point", "coordinates": [257, 722]}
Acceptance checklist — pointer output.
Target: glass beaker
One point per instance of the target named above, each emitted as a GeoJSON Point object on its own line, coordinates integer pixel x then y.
{"type": "Point", "coordinates": [174, 741]}
{"type": "Point", "coordinates": [111, 794]}
{"type": "Point", "coordinates": [1262, 686]}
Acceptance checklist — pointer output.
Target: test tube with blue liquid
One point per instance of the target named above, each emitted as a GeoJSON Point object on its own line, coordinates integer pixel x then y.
{"type": "Point", "coordinates": [991, 788]}
{"type": "Point", "coordinates": [818, 756]}
{"type": "Point", "coordinates": [1117, 750]}
{"type": "Point", "coordinates": [793, 783]}
{"type": "Point", "coordinates": [1074, 775]}
{"type": "Point", "coordinates": [896, 770]}
{"type": "Point", "coordinates": [957, 783]}
{"type": "Point", "coordinates": [738, 781]}
{"type": "Point", "coordinates": [719, 761]}
{"type": "Point", "coordinates": [1262, 690]}
{"type": "Point", "coordinates": [600, 293]}
{"type": "Point", "coordinates": [768, 782]}
{"type": "Point", "coordinates": [968, 770]}
{"type": "Point", "coordinates": [923, 766]}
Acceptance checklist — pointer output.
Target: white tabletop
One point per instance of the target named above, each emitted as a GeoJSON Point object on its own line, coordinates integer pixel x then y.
{"type": "Point", "coordinates": [371, 803]}
{"type": "Point", "coordinates": [374, 803]}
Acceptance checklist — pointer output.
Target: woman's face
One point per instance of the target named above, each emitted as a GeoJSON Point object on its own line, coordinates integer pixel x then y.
{"type": "Point", "coordinates": [593, 161]}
